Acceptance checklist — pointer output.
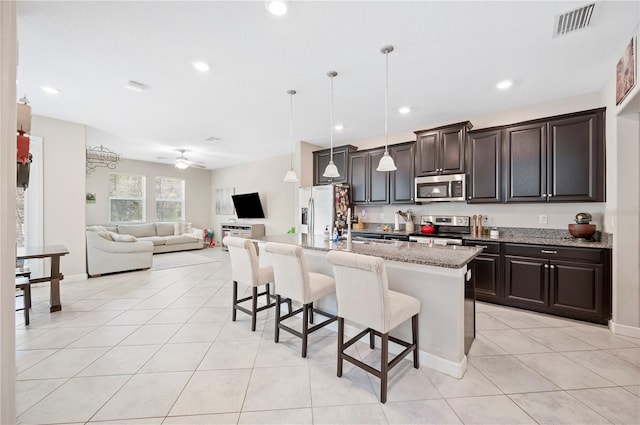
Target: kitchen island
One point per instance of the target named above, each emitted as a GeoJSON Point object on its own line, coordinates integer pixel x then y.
{"type": "Point", "coordinates": [438, 276]}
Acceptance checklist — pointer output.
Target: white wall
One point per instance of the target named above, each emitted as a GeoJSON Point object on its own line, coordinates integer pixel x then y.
{"type": "Point", "coordinates": [64, 193]}
{"type": "Point", "coordinates": [8, 56]}
{"type": "Point", "coordinates": [197, 190]}
{"type": "Point", "coordinates": [623, 209]}
{"type": "Point", "coordinates": [264, 177]}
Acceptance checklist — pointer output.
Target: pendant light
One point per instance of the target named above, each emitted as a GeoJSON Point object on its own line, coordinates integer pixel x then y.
{"type": "Point", "coordinates": [290, 176]}
{"type": "Point", "coordinates": [331, 171]}
{"type": "Point", "coordinates": [386, 162]}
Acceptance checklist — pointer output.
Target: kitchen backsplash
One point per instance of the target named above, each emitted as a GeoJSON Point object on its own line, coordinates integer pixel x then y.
{"type": "Point", "coordinates": [541, 216]}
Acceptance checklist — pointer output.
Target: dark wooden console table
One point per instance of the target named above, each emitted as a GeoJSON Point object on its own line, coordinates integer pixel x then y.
{"type": "Point", "coordinates": [54, 252]}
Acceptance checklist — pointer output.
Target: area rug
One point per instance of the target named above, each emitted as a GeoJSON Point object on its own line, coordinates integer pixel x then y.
{"type": "Point", "coordinates": [171, 260]}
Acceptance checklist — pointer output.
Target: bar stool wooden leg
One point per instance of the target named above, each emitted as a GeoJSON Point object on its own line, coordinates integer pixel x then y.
{"type": "Point", "coordinates": [276, 334]}
{"type": "Point", "coordinates": [384, 369]}
{"type": "Point", "coordinates": [254, 307]}
{"type": "Point", "coordinates": [305, 328]}
{"type": "Point", "coordinates": [267, 294]}
{"type": "Point", "coordinates": [311, 314]}
{"type": "Point", "coordinates": [289, 305]}
{"type": "Point", "coordinates": [340, 344]}
{"type": "Point", "coordinates": [235, 301]}
{"type": "Point", "coordinates": [414, 331]}
{"type": "Point", "coordinates": [372, 339]}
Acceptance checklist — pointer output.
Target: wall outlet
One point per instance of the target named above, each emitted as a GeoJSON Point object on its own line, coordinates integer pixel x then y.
{"type": "Point", "coordinates": [542, 219]}
{"type": "Point", "coordinates": [381, 218]}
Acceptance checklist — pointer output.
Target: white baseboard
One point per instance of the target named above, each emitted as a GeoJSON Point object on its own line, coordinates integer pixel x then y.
{"type": "Point", "coordinates": [456, 370]}
{"type": "Point", "coordinates": [624, 330]}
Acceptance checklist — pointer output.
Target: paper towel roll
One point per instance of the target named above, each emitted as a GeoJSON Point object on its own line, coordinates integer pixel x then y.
{"type": "Point", "coordinates": [396, 224]}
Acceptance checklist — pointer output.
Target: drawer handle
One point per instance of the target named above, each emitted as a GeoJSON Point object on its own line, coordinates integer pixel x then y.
{"type": "Point", "coordinates": [548, 251]}
{"type": "Point", "coordinates": [483, 246]}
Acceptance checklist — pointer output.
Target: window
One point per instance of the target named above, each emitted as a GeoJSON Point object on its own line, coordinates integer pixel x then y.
{"type": "Point", "coordinates": [169, 199]}
{"type": "Point", "coordinates": [126, 198]}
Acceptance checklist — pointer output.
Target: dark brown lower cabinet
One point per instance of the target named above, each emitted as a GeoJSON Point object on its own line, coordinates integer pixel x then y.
{"type": "Point", "coordinates": [564, 281]}
{"type": "Point", "coordinates": [576, 288]}
{"type": "Point", "coordinates": [487, 271]}
{"type": "Point", "coordinates": [526, 282]}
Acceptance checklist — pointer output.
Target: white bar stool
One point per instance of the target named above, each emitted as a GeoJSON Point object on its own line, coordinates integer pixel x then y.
{"type": "Point", "coordinates": [293, 280]}
{"type": "Point", "coordinates": [364, 298]}
{"type": "Point", "coordinates": [246, 269]}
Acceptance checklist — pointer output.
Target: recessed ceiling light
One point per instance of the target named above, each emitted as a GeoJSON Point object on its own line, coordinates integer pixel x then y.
{"type": "Point", "coordinates": [404, 109]}
{"type": "Point", "coordinates": [505, 84]}
{"type": "Point", "coordinates": [201, 66]}
{"type": "Point", "coordinates": [277, 8]}
{"type": "Point", "coordinates": [135, 86]}
{"type": "Point", "coordinates": [50, 90]}
{"type": "Point", "coordinates": [338, 127]}
{"type": "Point", "coordinates": [212, 139]}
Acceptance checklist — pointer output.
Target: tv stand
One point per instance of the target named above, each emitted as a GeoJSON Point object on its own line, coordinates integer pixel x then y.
{"type": "Point", "coordinates": [241, 230]}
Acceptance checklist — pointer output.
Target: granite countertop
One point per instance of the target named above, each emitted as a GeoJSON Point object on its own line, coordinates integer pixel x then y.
{"type": "Point", "coordinates": [453, 257]}
{"type": "Point", "coordinates": [535, 236]}
{"type": "Point", "coordinates": [559, 237]}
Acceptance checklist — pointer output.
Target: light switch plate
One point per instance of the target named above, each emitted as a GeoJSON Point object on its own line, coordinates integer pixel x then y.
{"type": "Point", "coordinates": [542, 219]}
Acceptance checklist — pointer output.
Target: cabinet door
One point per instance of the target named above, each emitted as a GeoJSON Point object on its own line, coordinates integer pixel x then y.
{"type": "Point", "coordinates": [451, 155]}
{"type": "Point", "coordinates": [321, 160]}
{"type": "Point", "coordinates": [577, 289]}
{"type": "Point", "coordinates": [358, 164]}
{"type": "Point", "coordinates": [483, 156]}
{"type": "Point", "coordinates": [526, 163]}
{"type": "Point", "coordinates": [488, 283]}
{"type": "Point", "coordinates": [378, 180]}
{"type": "Point", "coordinates": [427, 162]}
{"type": "Point", "coordinates": [575, 159]}
{"type": "Point", "coordinates": [402, 180]}
{"type": "Point", "coordinates": [526, 282]}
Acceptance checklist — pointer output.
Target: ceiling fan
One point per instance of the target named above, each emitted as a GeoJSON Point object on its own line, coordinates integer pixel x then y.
{"type": "Point", "coordinates": [183, 163]}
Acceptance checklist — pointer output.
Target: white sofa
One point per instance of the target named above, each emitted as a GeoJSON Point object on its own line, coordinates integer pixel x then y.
{"type": "Point", "coordinates": [131, 246]}
{"type": "Point", "coordinates": [164, 236]}
{"type": "Point", "coordinates": [108, 256]}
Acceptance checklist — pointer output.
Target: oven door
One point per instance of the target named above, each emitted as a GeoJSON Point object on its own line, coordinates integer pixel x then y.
{"type": "Point", "coordinates": [435, 240]}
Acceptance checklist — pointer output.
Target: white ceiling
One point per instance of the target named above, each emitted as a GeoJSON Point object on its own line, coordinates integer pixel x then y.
{"type": "Point", "coordinates": [448, 57]}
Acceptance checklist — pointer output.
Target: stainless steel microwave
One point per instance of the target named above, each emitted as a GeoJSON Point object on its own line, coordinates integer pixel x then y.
{"type": "Point", "coordinates": [450, 187]}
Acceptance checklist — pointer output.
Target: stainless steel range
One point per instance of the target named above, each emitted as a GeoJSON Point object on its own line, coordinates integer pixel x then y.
{"type": "Point", "coordinates": [449, 230]}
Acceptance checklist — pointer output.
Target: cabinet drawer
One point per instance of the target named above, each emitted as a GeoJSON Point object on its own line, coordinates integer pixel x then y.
{"type": "Point", "coordinates": [489, 247]}
{"type": "Point", "coordinates": [552, 252]}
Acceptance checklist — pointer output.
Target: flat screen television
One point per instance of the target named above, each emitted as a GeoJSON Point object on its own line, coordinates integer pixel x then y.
{"type": "Point", "coordinates": [248, 205]}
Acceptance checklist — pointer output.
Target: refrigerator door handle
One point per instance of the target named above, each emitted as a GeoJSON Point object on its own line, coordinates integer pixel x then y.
{"type": "Point", "coordinates": [311, 216]}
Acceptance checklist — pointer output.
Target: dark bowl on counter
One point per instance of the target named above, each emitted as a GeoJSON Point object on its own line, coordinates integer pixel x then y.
{"type": "Point", "coordinates": [584, 231]}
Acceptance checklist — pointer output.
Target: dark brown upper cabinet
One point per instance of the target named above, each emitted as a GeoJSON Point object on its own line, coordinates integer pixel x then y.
{"type": "Point", "coordinates": [368, 186]}
{"type": "Point", "coordinates": [560, 159]}
{"type": "Point", "coordinates": [441, 150]}
{"type": "Point", "coordinates": [402, 180]}
{"type": "Point", "coordinates": [340, 158]}
{"type": "Point", "coordinates": [484, 181]}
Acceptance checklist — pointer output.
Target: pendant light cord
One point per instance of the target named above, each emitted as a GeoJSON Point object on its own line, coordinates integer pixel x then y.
{"type": "Point", "coordinates": [331, 123]}
{"type": "Point", "coordinates": [386, 102]}
{"type": "Point", "coordinates": [291, 92]}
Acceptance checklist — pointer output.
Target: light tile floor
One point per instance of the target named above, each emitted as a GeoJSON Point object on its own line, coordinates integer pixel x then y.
{"type": "Point", "coordinates": [158, 347]}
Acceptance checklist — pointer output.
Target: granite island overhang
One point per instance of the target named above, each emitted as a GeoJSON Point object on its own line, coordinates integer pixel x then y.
{"type": "Point", "coordinates": [440, 277]}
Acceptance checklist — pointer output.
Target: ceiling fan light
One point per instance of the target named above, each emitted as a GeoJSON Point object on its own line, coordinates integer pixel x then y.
{"type": "Point", "coordinates": [290, 177]}
{"type": "Point", "coordinates": [331, 171]}
{"type": "Point", "coordinates": [386, 163]}
{"type": "Point", "coordinates": [182, 164]}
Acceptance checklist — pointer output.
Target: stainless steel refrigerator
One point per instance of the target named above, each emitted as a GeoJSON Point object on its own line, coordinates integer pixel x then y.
{"type": "Point", "coordinates": [321, 207]}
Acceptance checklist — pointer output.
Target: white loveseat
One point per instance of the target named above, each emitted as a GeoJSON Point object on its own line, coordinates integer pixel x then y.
{"type": "Point", "coordinates": [128, 247]}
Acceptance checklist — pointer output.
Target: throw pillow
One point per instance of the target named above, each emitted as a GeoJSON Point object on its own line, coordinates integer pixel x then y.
{"type": "Point", "coordinates": [104, 234]}
{"type": "Point", "coordinates": [97, 228]}
{"type": "Point", "coordinates": [124, 238]}
{"type": "Point", "coordinates": [182, 228]}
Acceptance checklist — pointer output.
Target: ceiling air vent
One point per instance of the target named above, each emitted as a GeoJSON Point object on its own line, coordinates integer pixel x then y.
{"type": "Point", "coordinates": [573, 20]}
